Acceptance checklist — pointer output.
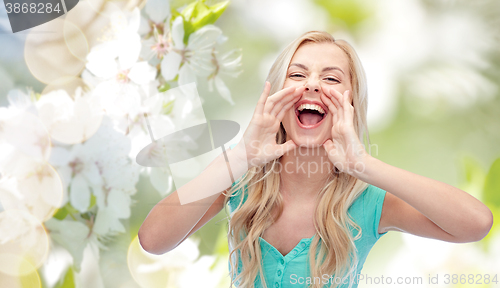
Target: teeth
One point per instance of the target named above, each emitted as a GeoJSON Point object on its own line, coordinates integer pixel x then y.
{"type": "Point", "coordinates": [311, 107]}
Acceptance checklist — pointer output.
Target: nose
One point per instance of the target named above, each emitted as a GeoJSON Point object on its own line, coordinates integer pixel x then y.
{"type": "Point", "coordinates": [312, 85]}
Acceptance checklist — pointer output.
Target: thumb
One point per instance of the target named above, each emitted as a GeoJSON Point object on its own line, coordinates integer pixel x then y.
{"type": "Point", "coordinates": [328, 145]}
{"type": "Point", "coordinates": [287, 146]}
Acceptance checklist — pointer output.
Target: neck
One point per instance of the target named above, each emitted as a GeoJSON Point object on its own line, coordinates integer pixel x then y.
{"type": "Point", "coordinates": [304, 172]}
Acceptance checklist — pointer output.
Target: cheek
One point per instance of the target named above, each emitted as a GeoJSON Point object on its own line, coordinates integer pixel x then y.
{"type": "Point", "coordinates": [294, 83]}
{"type": "Point", "coordinates": [329, 121]}
{"type": "Point", "coordinates": [341, 88]}
{"type": "Point", "coordinates": [288, 118]}
{"type": "Point", "coordinates": [288, 121]}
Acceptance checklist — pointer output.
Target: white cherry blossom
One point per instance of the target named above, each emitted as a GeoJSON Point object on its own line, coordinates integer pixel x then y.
{"type": "Point", "coordinates": [196, 57]}
{"type": "Point", "coordinates": [228, 64]}
{"type": "Point", "coordinates": [100, 166]}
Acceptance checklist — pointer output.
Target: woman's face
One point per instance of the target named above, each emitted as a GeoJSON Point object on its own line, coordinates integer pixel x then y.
{"type": "Point", "coordinates": [319, 67]}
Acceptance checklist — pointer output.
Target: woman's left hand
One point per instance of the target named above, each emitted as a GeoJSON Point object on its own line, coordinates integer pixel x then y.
{"type": "Point", "coordinates": [344, 149]}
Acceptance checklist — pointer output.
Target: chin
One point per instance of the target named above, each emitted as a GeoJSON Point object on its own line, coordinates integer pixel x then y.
{"type": "Point", "coordinates": [308, 141]}
{"type": "Point", "coordinates": [308, 137]}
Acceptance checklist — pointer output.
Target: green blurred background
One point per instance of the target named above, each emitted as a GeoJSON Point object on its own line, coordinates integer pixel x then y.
{"type": "Point", "coordinates": [433, 70]}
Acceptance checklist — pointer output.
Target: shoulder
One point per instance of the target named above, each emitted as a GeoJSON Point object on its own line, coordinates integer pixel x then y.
{"type": "Point", "coordinates": [237, 198]}
{"type": "Point", "coordinates": [366, 210]}
{"type": "Point", "coordinates": [374, 196]}
{"type": "Point", "coordinates": [366, 199]}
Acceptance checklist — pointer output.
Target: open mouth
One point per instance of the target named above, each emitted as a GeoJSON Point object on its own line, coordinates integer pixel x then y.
{"type": "Point", "coordinates": [310, 115]}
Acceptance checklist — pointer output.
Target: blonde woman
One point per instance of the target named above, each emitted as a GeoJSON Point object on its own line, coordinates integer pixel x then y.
{"type": "Point", "coordinates": [310, 201]}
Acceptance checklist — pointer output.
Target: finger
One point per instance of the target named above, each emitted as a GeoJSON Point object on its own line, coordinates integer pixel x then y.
{"type": "Point", "coordinates": [349, 109]}
{"type": "Point", "coordinates": [331, 108]}
{"type": "Point", "coordinates": [262, 100]}
{"type": "Point", "coordinates": [348, 94]}
{"type": "Point", "coordinates": [286, 108]}
{"type": "Point", "coordinates": [293, 97]}
{"type": "Point", "coordinates": [335, 96]}
{"type": "Point", "coordinates": [276, 97]}
{"type": "Point", "coordinates": [329, 146]}
{"type": "Point", "coordinates": [279, 104]}
{"type": "Point", "coordinates": [338, 100]}
{"type": "Point", "coordinates": [287, 146]}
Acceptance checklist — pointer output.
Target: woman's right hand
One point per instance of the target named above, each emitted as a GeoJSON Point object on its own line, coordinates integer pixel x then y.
{"type": "Point", "coordinates": [259, 140]}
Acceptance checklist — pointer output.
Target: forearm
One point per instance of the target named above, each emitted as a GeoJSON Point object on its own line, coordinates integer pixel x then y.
{"type": "Point", "coordinates": [218, 176]}
{"type": "Point", "coordinates": [169, 222]}
{"type": "Point", "coordinates": [452, 209]}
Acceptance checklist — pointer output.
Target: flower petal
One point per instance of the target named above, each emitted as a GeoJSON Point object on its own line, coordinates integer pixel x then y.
{"type": "Point", "coordinates": [160, 179]}
{"type": "Point", "coordinates": [178, 33]}
{"type": "Point", "coordinates": [204, 38]}
{"type": "Point", "coordinates": [119, 203]}
{"type": "Point", "coordinates": [101, 60]}
{"type": "Point", "coordinates": [130, 48]}
{"type": "Point", "coordinates": [107, 50]}
{"type": "Point", "coordinates": [223, 90]}
{"type": "Point", "coordinates": [80, 194]}
{"type": "Point", "coordinates": [186, 75]}
{"type": "Point", "coordinates": [231, 61]}
{"type": "Point", "coordinates": [146, 52]}
{"type": "Point", "coordinates": [106, 222]}
{"type": "Point", "coordinates": [91, 173]}
{"type": "Point", "coordinates": [210, 83]}
{"type": "Point", "coordinates": [72, 235]}
{"type": "Point", "coordinates": [157, 10]}
{"type": "Point", "coordinates": [143, 26]}
{"type": "Point", "coordinates": [170, 65]}
{"type": "Point", "coordinates": [59, 156]}
{"type": "Point", "coordinates": [65, 175]}
{"type": "Point", "coordinates": [221, 39]}
{"type": "Point", "coordinates": [134, 20]}
{"type": "Point", "coordinates": [105, 68]}
{"type": "Point", "coordinates": [100, 196]}
{"type": "Point", "coordinates": [19, 99]}
{"type": "Point", "coordinates": [201, 63]}
{"type": "Point", "coordinates": [142, 73]}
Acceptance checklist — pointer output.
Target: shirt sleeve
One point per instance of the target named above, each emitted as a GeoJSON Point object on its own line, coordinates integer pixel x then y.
{"type": "Point", "coordinates": [373, 202]}
{"type": "Point", "coordinates": [234, 201]}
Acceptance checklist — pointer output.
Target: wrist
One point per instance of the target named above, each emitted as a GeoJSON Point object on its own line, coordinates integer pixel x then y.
{"type": "Point", "coordinates": [238, 158]}
{"type": "Point", "coordinates": [363, 166]}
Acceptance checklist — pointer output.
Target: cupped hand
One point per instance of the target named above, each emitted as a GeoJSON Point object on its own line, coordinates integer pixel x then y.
{"type": "Point", "coordinates": [344, 149]}
{"type": "Point", "coordinates": [259, 140]}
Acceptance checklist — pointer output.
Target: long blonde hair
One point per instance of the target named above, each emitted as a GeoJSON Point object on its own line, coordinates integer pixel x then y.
{"type": "Point", "coordinates": [333, 243]}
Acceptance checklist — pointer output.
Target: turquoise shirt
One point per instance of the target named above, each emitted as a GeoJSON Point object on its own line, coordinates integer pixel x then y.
{"type": "Point", "coordinates": [292, 270]}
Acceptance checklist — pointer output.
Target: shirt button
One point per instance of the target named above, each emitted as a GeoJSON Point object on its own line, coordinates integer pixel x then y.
{"type": "Point", "coordinates": [303, 245]}
{"type": "Point", "coordinates": [276, 284]}
{"type": "Point", "coordinates": [282, 261]}
{"type": "Point", "coordinates": [279, 272]}
{"type": "Point", "coordinates": [294, 252]}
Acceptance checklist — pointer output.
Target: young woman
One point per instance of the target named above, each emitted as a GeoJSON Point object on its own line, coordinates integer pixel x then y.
{"type": "Point", "coordinates": [310, 201]}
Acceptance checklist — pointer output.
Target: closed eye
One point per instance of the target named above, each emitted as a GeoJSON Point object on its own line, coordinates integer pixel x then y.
{"type": "Point", "coordinates": [302, 76]}
{"type": "Point", "coordinates": [332, 79]}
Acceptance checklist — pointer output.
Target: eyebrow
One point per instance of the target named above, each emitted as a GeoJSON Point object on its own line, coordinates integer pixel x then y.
{"type": "Point", "coordinates": [324, 69]}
